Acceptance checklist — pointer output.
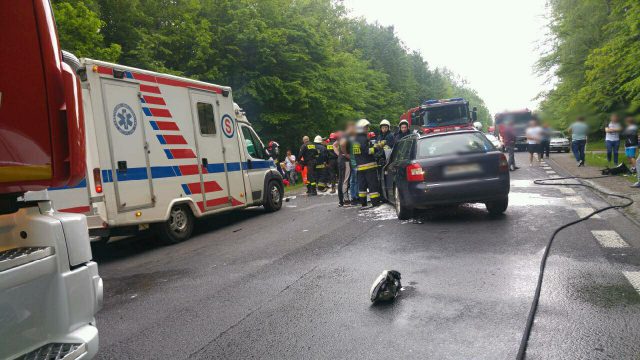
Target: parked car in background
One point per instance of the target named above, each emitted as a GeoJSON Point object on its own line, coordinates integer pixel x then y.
{"type": "Point", "coordinates": [559, 142]}
{"type": "Point", "coordinates": [446, 169]}
{"type": "Point", "coordinates": [495, 141]}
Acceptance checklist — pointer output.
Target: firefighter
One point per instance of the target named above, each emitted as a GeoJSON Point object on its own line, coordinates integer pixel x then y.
{"type": "Point", "coordinates": [366, 165]}
{"type": "Point", "coordinates": [332, 167]}
{"type": "Point", "coordinates": [307, 157]}
{"type": "Point", "coordinates": [321, 164]}
{"type": "Point", "coordinates": [402, 131]}
{"type": "Point", "coordinates": [386, 137]}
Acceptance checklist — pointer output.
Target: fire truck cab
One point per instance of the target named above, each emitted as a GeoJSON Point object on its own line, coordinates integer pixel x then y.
{"type": "Point", "coordinates": [441, 115]}
{"type": "Point", "coordinates": [519, 119]}
{"type": "Point", "coordinates": [50, 289]}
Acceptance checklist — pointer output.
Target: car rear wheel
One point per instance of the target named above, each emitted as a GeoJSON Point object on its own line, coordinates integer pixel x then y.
{"type": "Point", "coordinates": [497, 207]}
{"type": "Point", "coordinates": [178, 227]}
{"type": "Point", "coordinates": [273, 202]}
{"type": "Point", "coordinates": [403, 212]}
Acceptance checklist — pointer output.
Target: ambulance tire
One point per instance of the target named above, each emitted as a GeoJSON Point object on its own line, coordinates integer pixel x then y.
{"type": "Point", "coordinates": [273, 196]}
{"type": "Point", "coordinates": [178, 227]}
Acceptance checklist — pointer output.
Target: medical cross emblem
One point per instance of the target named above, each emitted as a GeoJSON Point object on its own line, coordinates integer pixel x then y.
{"type": "Point", "coordinates": [124, 119]}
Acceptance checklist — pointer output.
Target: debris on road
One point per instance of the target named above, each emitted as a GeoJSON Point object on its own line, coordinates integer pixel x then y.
{"type": "Point", "coordinates": [386, 287]}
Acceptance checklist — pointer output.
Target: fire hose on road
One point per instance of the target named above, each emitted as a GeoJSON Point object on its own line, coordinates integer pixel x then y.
{"type": "Point", "coordinates": [543, 263]}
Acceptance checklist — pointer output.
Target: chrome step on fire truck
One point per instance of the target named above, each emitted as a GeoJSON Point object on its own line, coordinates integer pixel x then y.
{"type": "Point", "coordinates": [161, 151]}
{"type": "Point", "coordinates": [50, 289]}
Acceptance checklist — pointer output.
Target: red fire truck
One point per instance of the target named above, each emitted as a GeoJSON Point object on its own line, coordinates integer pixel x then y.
{"type": "Point", "coordinates": [519, 119]}
{"type": "Point", "coordinates": [50, 289]}
{"type": "Point", "coordinates": [441, 115]}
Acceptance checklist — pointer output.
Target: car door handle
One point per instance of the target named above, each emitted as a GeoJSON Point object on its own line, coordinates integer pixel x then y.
{"type": "Point", "coordinates": [205, 162]}
{"type": "Point", "coordinates": [249, 164]}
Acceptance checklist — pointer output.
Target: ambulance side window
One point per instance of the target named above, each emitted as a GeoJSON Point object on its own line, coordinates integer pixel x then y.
{"type": "Point", "coordinates": [253, 143]}
{"type": "Point", "coordinates": [206, 119]}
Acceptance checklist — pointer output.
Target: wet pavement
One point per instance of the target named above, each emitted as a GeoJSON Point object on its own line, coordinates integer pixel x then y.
{"type": "Point", "coordinates": [294, 284]}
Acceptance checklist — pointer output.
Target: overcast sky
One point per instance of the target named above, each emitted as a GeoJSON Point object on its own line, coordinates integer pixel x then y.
{"type": "Point", "coordinates": [493, 44]}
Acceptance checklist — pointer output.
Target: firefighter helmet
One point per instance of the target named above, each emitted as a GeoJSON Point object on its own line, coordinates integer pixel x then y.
{"type": "Point", "coordinates": [318, 139]}
{"type": "Point", "coordinates": [333, 136]}
{"type": "Point", "coordinates": [362, 125]}
{"type": "Point", "coordinates": [403, 121]}
{"type": "Point", "coordinates": [385, 122]}
{"type": "Point", "coordinates": [371, 135]}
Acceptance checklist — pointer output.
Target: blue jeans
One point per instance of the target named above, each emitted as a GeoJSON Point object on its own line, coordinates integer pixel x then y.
{"type": "Point", "coordinates": [612, 148]}
{"type": "Point", "coordinates": [353, 184]}
{"type": "Point", "coordinates": [577, 146]}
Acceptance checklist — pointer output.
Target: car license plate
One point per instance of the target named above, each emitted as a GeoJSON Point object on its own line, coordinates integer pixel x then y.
{"type": "Point", "coordinates": [465, 169]}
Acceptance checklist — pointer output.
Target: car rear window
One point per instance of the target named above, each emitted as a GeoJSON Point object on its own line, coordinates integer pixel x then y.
{"type": "Point", "coordinates": [453, 144]}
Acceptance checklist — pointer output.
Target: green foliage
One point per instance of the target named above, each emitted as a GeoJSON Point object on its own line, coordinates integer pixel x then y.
{"type": "Point", "coordinates": [594, 59]}
{"type": "Point", "coordinates": [297, 67]}
{"type": "Point", "coordinates": [79, 31]}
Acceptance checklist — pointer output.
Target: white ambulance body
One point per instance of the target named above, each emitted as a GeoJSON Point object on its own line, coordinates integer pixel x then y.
{"type": "Point", "coordinates": [162, 150]}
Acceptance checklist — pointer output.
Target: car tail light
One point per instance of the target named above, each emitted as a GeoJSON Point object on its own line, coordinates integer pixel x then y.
{"type": "Point", "coordinates": [97, 179]}
{"type": "Point", "coordinates": [503, 164]}
{"type": "Point", "coordinates": [415, 172]}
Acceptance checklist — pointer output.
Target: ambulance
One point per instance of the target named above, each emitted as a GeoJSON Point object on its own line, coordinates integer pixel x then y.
{"type": "Point", "coordinates": [161, 151]}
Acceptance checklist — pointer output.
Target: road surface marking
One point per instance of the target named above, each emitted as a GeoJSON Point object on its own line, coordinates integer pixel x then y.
{"type": "Point", "coordinates": [609, 239]}
{"type": "Point", "coordinates": [554, 176]}
{"type": "Point", "coordinates": [634, 279]}
{"type": "Point", "coordinates": [584, 211]}
{"type": "Point", "coordinates": [575, 200]}
{"type": "Point", "coordinates": [550, 172]}
{"type": "Point", "coordinates": [567, 190]}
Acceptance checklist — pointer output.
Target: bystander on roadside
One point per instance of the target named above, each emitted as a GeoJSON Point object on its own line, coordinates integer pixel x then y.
{"type": "Point", "coordinates": [578, 130]}
{"type": "Point", "coordinates": [533, 133]}
{"type": "Point", "coordinates": [630, 135]}
{"type": "Point", "coordinates": [545, 141]}
{"type": "Point", "coordinates": [508, 138]}
{"type": "Point", "coordinates": [612, 139]}
{"type": "Point", "coordinates": [290, 167]}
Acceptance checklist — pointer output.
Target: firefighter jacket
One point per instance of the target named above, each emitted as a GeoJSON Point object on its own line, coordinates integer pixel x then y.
{"type": "Point", "coordinates": [331, 154]}
{"type": "Point", "coordinates": [386, 140]}
{"type": "Point", "coordinates": [308, 152]}
{"type": "Point", "coordinates": [322, 155]}
{"type": "Point", "coordinates": [364, 153]}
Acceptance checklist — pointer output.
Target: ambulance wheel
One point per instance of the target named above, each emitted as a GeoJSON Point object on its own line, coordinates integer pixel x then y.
{"type": "Point", "coordinates": [274, 195]}
{"type": "Point", "coordinates": [178, 227]}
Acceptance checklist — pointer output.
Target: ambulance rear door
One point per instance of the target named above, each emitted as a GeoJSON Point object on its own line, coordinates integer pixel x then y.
{"type": "Point", "coordinates": [128, 148]}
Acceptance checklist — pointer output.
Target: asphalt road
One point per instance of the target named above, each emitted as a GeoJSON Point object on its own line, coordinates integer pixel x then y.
{"type": "Point", "coordinates": [294, 284]}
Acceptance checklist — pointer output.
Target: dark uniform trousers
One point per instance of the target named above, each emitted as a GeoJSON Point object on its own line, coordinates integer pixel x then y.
{"type": "Point", "coordinates": [321, 176]}
{"type": "Point", "coordinates": [368, 179]}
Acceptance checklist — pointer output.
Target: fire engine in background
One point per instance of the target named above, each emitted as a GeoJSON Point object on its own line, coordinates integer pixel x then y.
{"type": "Point", "coordinates": [520, 120]}
{"type": "Point", "coordinates": [50, 289]}
{"type": "Point", "coordinates": [435, 116]}
{"type": "Point", "coordinates": [163, 150]}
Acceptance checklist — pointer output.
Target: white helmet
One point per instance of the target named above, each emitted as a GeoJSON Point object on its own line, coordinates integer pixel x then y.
{"type": "Point", "coordinates": [477, 125]}
{"type": "Point", "coordinates": [403, 121]}
{"type": "Point", "coordinates": [385, 122]}
{"type": "Point", "coordinates": [317, 139]}
{"type": "Point", "coordinates": [362, 123]}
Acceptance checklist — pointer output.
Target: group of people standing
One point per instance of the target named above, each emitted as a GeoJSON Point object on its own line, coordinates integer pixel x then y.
{"type": "Point", "coordinates": [351, 160]}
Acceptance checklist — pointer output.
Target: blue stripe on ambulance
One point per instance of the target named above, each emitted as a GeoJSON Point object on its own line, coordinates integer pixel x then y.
{"type": "Point", "coordinates": [160, 172]}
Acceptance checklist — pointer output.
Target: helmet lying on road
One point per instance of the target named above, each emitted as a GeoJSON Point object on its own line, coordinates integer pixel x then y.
{"type": "Point", "coordinates": [318, 139]}
{"type": "Point", "coordinates": [385, 122]}
{"type": "Point", "coordinates": [386, 286]}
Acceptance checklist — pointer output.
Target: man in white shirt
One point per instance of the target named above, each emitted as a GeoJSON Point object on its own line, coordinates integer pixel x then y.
{"type": "Point", "coordinates": [534, 135]}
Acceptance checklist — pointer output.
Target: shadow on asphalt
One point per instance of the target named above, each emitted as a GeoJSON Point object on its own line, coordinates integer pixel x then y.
{"type": "Point", "coordinates": [456, 214]}
{"type": "Point", "coordinates": [146, 241]}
